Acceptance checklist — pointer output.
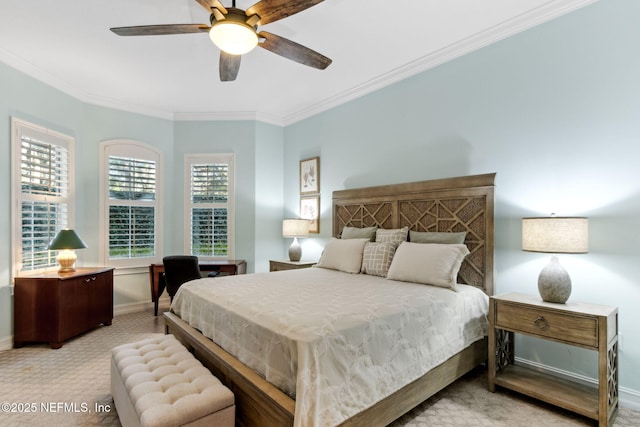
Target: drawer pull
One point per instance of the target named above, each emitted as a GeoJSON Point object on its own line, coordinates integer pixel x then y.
{"type": "Point", "coordinates": [90, 279]}
{"type": "Point", "coordinates": [541, 323]}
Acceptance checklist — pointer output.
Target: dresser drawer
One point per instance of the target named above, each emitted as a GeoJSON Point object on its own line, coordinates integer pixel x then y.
{"type": "Point", "coordinates": [566, 327]}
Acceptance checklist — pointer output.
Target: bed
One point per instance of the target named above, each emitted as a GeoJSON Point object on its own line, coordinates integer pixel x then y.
{"type": "Point", "coordinates": [314, 392]}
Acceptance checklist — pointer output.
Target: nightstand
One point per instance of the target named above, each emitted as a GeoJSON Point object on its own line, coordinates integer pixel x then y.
{"type": "Point", "coordinates": [589, 326]}
{"type": "Point", "coordinates": [281, 265]}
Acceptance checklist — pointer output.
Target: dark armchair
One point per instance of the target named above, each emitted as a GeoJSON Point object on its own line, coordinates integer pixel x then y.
{"type": "Point", "coordinates": [179, 269]}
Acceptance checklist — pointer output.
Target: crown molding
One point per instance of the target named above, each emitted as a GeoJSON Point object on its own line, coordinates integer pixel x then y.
{"type": "Point", "coordinates": [101, 101]}
{"type": "Point", "coordinates": [69, 89]}
{"type": "Point", "coordinates": [544, 13]}
{"type": "Point", "coordinates": [230, 116]}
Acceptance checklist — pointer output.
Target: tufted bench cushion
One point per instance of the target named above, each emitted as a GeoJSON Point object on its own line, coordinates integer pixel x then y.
{"type": "Point", "coordinates": [158, 383]}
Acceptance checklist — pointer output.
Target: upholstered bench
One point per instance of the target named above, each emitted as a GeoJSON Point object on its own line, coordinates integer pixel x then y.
{"type": "Point", "coordinates": [157, 382]}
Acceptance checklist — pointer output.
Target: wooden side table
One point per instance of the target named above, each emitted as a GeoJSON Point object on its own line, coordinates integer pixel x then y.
{"type": "Point", "coordinates": [227, 266]}
{"type": "Point", "coordinates": [281, 265]}
{"type": "Point", "coordinates": [589, 326]}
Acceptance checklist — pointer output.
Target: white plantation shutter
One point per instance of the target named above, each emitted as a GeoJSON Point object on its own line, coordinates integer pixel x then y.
{"type": "Point", "coordinates": [132, 196]}
{"type": "Point", "coordinates": [210, 190]}
{"type": "Point", "coordinates": [40, 223]}
{"type": "Point", "coordinates": [42, 175]}
{"type": "Point", "coordinates": [130, 203]}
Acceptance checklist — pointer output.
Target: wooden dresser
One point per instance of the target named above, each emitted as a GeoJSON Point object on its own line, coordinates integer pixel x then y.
{"type": "Point", "coordinates": [54, 307]}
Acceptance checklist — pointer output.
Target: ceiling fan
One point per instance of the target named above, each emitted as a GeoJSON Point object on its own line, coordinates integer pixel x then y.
{"type": "Point", "coordinates": [235, 32]}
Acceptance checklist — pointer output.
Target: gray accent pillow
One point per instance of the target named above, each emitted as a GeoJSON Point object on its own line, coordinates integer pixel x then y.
{"type": "Point", "coordinates": [359, 233]}
{"type": "Point", "coordinates": [377, 258]}
{"type": "Point", "coordinates": [437, 237]}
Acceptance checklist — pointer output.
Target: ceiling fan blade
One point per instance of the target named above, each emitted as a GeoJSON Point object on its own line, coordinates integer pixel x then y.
{"type": "Point", "coordinates": [212, 4]}
{"type": "Point", "coordinates": [156, 30]}
{"type": "Point", "coordinates": [219, 16]}
{"type": "Point", "coordinates": [293, 51]}
{"type": "Point", "coordinates": [229, 66]}
{"type": "Point", "coordinates": [273, 10]}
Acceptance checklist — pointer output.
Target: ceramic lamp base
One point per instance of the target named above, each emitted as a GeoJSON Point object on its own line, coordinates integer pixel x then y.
{"type": "Point", "coordinates": [295, 250]}
{"type": "Point", "coordinates": [67, 260]}
{"type": "Point", "coordinates": [554, 283]}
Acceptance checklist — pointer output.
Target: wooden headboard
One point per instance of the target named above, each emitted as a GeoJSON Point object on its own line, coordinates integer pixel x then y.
{"type": "Point", "coordinates": [443, 205]}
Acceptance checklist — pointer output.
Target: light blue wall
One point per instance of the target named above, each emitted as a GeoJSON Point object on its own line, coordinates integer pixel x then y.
{"type": "Point", "coordinates": [555, 111]}
{"type": "Point", "coordinates": [257, 146]}
{"type": "Point", "coordinates": [269, 194]}
{"type": "Point", "coordinates": [236, 137]}
{"type": "Point", "coordinates": [25, 98]}
{"type": "Point", "coordinates": [100, 124]}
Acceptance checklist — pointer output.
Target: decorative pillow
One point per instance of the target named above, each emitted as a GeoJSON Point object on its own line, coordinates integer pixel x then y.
{"type": "Point", "coordinates": [437, 237]}
{"type": "Point", "coordinates": [428, 263]}
{"type": "Point", "coordinates": [377, 257]}
{"type": "Point", "coordinates": [395, 235]}
{"type": "Point", "coordinates": [343, 255]}
{"type": "Point", "coordinates": [359, 233]}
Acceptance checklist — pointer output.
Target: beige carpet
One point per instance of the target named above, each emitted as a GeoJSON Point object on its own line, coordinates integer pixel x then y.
{"type": "Point", "coordinates": [70, 387]}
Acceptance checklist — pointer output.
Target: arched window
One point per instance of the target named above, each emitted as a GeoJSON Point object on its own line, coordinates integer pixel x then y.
{"type": "Point", "coordinates": [131, 214]}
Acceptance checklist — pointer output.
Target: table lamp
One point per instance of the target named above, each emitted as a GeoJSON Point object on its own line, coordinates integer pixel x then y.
{"type": "Point", "coordinates": [295, 227]}
{"type": "Point", "coordinates": [65, 242]}
{"type": "Point", "coordinates": [556, 235]}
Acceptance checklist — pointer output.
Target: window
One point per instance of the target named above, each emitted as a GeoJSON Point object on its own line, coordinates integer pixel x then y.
{"type": "Point", "coordinates": [209, 211]}
{"type": "Point", "coordinates": [42, 175]}
{"type": "Point", "coordinates": [131, 209]}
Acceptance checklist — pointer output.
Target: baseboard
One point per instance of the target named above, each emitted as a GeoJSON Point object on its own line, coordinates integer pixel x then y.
{"type": "Point", "coordinates": [132, 308]}
{"type": "Point", "coordinates": [6, 343]}
{"type": "Point", "coordinates": [628, 397]}
{"type": "Point", "coordinates": [138, 306]}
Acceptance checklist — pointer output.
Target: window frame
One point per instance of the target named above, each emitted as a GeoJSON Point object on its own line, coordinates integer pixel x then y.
{"type": "Point", "coordinates": [210, 158]}
{"type": "Point", "coordinates": [136, 150]}
{"type": "Point", "coordinates": [19, 128]}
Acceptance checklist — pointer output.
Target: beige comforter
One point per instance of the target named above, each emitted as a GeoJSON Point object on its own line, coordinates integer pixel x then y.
{"type": "Point", "coordinates": [336, 342]}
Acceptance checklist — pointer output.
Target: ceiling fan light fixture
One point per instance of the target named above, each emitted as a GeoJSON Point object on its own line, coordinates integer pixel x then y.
{"type": "Point", "coordinates": [235, 38]}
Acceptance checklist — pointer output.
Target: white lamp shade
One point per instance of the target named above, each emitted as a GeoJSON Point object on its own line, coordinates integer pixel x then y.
{"type": "Point", "coordinates": [569, 235]}
{"type": "Point", "coordinates": [295, 227]}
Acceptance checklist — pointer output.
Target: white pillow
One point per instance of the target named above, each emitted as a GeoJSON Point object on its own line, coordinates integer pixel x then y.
{"type": "Point", "coordinates": [343, 255]}
{"type": "Point", "coordinates": [428, 263]}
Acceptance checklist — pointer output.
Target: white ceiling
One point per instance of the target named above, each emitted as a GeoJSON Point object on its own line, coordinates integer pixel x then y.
{"type": "Point", "coordinates": [373, 43]}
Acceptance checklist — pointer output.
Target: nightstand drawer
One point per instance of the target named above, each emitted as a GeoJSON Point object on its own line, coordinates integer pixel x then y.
{"type": "Point", "coordinates": [566, 327]}
{"type": "Point", "coordinates": [289, 265]}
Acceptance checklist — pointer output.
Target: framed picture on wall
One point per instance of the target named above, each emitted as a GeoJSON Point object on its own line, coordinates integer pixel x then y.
{"type": "Point", "coordinates": [310, 209]}
{"type": "Point", "coordinates": [310, 176]}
